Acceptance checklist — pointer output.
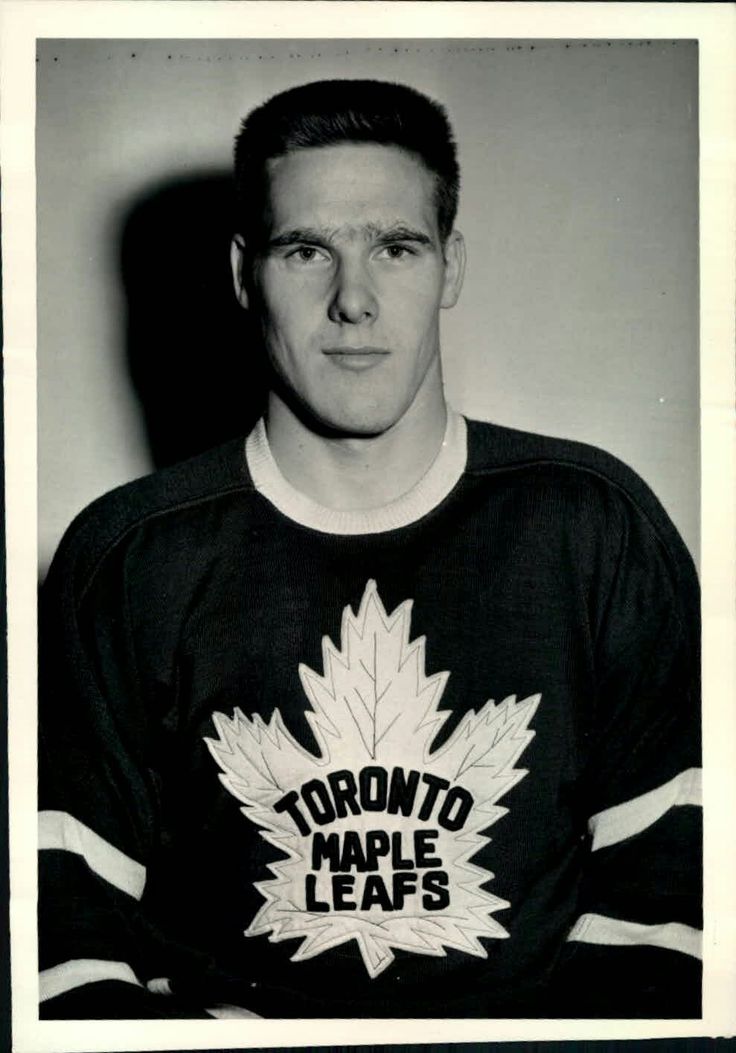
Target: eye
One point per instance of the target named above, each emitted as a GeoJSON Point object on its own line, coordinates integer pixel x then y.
{"type": "Point", "coordinates": [306, 254]}
{"type": "Point", "coordinates": [396, 251]}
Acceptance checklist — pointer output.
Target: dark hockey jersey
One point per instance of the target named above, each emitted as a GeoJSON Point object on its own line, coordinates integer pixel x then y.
{"type": "Point", "coordinates": [439, 759]}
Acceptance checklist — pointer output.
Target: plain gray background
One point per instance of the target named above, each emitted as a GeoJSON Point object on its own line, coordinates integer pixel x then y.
{"type": "Point", "coordinates": [579, 208]}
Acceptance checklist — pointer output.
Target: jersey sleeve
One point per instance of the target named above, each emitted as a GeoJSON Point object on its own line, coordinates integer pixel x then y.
{"type": "Point", "coordinates": [635, 948]}
{"type": "Point", "coordinates": [98, 825]}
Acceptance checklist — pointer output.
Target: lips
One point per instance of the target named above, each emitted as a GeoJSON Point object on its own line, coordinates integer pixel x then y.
{"type": "Point", "coordinates": [355, 351]}
{"type": "Point", "coordinates": [356, 358]}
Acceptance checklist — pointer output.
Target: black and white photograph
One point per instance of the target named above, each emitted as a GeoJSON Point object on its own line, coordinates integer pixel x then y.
{"type": "Point", "coordinates": [369, 539]}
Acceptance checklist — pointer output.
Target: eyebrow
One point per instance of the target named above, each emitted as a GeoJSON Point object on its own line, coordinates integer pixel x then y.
{"type": "Point", "coordinates": [323, 237]}
{"type": "Point", "coordinates": [403, 233]}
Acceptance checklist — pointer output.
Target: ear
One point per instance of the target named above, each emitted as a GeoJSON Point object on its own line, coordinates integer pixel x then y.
{"type": "Point", "coordinates": [238, 264]}
{"type": "Point", "coordinates": [454, 269]}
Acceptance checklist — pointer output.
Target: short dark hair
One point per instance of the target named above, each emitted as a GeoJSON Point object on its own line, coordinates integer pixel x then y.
{"type": "Point", "coordinates": [328, 112]}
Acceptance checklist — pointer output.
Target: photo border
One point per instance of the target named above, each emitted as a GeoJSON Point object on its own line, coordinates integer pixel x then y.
{"type": "Point", "coordinates": [22, 22]}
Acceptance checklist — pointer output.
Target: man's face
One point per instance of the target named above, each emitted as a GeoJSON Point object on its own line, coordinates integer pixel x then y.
{"type": "Point", "coordinates": [350, 281]}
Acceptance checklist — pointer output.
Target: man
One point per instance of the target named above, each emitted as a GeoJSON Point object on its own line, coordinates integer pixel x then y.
{"type": "Point", "coordinates": [388, 713]}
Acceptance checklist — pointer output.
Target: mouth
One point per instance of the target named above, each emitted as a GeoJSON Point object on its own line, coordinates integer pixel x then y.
{"type": "Point", "coordinates": [356, 358]}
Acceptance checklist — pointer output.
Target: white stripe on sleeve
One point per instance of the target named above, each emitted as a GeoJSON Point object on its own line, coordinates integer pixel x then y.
{"type": "Point", "coordinates": [79, 971]}
{"type": "Point", "coordinates": [624, 820]}
{"type": "Point", "coordinates": [671, 935]}
{"type": "Point", "coordinates": [231, 1012]}
{"type": "Point", "coordinates": [62, 831]}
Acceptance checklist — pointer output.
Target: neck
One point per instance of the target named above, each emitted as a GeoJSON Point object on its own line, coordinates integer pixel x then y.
{"type": "Point", "coordinates": [355, 473]}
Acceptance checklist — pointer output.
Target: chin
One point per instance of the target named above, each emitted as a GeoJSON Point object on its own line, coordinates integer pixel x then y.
{"type": "Point", "coordinates": [339, 415]}
{"type": "Point", "coordinates": [354, 425]}
{"type": "Point", "coordinates": [360, 421]}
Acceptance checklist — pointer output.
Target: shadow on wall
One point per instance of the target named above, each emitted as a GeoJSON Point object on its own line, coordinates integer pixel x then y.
{"type": "Point", "coordinates": [194, 357]}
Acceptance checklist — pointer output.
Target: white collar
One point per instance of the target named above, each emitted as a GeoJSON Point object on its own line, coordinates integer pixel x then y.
{"type": "Point", "coordinates": [436, 483]}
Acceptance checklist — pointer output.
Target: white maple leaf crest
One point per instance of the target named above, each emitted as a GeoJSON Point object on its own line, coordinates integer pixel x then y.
{"type": "Point", "coordinates": [378, 830]}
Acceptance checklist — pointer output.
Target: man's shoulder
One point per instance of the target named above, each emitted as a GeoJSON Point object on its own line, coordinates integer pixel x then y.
{"type": "Point", "coordinates": [585, 471]}
{"type": "Point", "coordinates": [495, 447]}
{"type": "Point", "coordinates": [190, 485]}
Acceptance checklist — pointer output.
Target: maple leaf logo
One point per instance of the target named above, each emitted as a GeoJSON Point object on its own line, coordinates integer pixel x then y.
{"type": "Point", "coordinates": [379, 829]}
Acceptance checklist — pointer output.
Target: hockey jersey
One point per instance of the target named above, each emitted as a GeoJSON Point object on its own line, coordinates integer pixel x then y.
{"type": "Point", "coordinates": [438, 759]}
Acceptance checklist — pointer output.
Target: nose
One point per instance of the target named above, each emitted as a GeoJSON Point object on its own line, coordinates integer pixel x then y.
{"type": "Point", "coordinates": [353, 299]}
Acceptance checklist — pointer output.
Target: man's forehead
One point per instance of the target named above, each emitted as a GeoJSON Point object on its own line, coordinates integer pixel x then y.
{"type": "Point", "coordinates": [357, 190]}
{"type": "Point", "coordinates": [355, 151]}
{"type": "Point", "coordinates": [341, 168]}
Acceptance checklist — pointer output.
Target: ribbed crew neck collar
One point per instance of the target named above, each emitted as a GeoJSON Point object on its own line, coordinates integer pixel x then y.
{"type": "Point", "coordinates": [426, 494]}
